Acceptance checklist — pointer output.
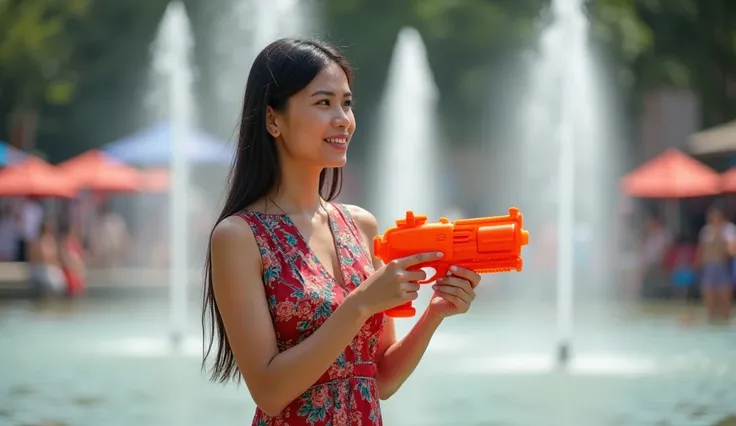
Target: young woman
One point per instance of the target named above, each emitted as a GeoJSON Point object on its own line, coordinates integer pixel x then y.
{"type": "Point", "coordinates": [294, 295]}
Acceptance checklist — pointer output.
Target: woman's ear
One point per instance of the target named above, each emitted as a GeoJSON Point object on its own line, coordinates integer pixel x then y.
{"type": "Point", "coordinates": [271, 125]}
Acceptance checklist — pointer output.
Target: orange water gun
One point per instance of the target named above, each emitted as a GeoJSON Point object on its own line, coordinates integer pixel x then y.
{"type": "Point", "coordinates": [484, 245]}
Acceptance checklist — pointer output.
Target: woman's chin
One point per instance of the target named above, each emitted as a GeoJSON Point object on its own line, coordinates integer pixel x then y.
{"type": "Point", "coordinates": [335, 161]}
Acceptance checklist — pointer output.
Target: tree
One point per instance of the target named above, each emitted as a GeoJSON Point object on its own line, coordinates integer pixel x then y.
{"type": "Point", "coordinates": [110, 58]}
{"type": "Point", "coordinates": [35, 55]}
{"type": "Point", "coordinates": [686, 44]}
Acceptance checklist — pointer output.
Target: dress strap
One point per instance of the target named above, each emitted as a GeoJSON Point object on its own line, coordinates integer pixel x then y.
{"type": "Point", "coordinates": [347, 224]}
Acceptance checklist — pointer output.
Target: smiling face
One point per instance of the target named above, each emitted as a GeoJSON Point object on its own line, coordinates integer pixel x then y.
{"type": "Point", "coordinates": [318, 122]}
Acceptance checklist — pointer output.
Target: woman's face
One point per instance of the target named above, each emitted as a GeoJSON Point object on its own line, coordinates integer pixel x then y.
{"type": "Point", "coordinates": [318, 122]}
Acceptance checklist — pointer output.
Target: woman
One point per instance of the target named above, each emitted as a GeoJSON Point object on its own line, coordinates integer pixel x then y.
{"type": "Point", "coordinates": [294, 292]}
{"type": "Point", "coordinates": [716, 246]}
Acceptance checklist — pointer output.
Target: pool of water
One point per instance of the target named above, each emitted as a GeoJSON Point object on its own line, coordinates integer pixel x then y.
{"type": "Point", "coordinates": [108, 363]}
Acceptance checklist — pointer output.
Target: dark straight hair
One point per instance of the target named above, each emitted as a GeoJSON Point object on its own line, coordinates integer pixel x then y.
{"type": "Point", "coordinates": [282, 69]}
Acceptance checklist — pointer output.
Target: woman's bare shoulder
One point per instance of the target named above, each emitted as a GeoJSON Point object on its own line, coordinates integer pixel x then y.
{"type": "Point", "coordinates": [233, 234]}
{"type": "Point", "coordinates": [364, 219]}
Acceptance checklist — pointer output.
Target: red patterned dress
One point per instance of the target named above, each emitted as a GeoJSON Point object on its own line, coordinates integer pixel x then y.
{"type": "Point", "coordinates": [301, 295]}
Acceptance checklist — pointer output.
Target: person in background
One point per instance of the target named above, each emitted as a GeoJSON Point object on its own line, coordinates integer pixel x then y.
{"type": "Point", "coordinates": [681, 261]}
{"type": "Point", "coordinates": [45, 263]}
{"type": "Point", "coordinates": [110, 241]}
{"type": "Point", "coordinates": [656, 243]}
{"type": "Point", "coordinates": [716, 245]}
{"type": "Point", "coordinates": [9, 234]}
{"type": "Point", "coordinates": [72, 259]}
{"type": "Point", "coordinates": [30, 217]}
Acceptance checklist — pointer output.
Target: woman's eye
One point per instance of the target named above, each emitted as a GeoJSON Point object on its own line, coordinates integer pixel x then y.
{"type": "Point", "coordinates": [324, 102]}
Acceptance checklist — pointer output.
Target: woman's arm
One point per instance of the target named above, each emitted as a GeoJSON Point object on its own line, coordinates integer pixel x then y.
{"type": "Point", "coordinates": [274, 379]}
{"type": "Point", "coordinates": [396, 359]}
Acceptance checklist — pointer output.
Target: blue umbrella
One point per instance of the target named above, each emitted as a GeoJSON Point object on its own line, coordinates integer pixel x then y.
{"type": "Point", "coordinates": [10, 155]}
{"type": "Point", "coordinates": [152, 147]}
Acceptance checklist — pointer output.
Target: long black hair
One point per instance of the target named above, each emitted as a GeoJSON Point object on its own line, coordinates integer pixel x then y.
{"type": "Point", "coordinates": [282, 69]}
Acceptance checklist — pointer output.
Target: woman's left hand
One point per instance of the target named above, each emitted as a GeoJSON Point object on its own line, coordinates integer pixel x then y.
{"type": "Point", "coordinates": [454, 293]}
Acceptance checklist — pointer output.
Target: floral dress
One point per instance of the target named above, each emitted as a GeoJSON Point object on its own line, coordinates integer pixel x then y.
{"type": "Point", "coordinates": [301, 295]}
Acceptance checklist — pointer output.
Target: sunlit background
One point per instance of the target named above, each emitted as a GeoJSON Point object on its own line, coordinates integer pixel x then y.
{"type": "Point", "coordinates": [607, 122]}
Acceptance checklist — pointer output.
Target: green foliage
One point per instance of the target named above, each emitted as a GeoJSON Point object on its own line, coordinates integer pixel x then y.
{"type": "Point", "coordinates": [81, 64]}
{"type": "Point", "coordinates": [469, 44]}
{"type": "Point", "coordinates": [36, 50]}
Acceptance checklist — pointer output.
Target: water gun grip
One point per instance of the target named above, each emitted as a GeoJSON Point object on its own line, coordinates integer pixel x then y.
{"type": "Point", "coordinates": [407, 310]}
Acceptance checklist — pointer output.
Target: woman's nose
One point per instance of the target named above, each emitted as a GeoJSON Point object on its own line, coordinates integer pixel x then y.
{"type": "Point", "coordinates": [341, 119]}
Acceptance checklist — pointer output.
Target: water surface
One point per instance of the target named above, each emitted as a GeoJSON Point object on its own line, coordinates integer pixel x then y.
{"type": "Point", "coordinates": [107, 363]}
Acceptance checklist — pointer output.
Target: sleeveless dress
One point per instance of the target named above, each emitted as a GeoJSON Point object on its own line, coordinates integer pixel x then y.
{"type": "Point", "coordinates": [301, 295]}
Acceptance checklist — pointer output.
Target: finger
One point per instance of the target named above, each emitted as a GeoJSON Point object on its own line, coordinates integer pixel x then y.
{"type": "Point", "coordinates": [409, 286]}
{"type": "Point", "coordinates": [417, 275]}
{"type": "Point", "coordinates": [461, 284]}
{"type": "Point", "coordinates": [458, 302]}
{"type": "Point", "coordinates": [454, 291]}
{"type": "Point", "coordinates": [410, 295]}
{"type": "Point", "coordinates": [468, 274]}
{"type": "Point", "coordinates": [418, 259]}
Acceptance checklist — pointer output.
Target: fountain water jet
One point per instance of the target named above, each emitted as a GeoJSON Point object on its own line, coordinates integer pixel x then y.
{"type": "Point", "coordinates": [562, 150]}
{"type": "Point", "coordinates": [173, 75]}
{"type": "Point", "coordinates": [242, 29]}
{"type": "Point", "coordinates": [407, 142]}
{"type": "Point", "coordinates": [406, 156]}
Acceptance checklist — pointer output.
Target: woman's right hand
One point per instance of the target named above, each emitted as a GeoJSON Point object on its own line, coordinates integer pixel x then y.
{"type": "Point", "coordinates": [393, 284]}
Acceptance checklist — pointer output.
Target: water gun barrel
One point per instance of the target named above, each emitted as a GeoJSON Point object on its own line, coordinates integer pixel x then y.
{"type": "Point", "coordinates": [498, 238]}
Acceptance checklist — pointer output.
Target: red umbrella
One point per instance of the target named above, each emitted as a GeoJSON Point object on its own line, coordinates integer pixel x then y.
{"type": "Point", "coordinates": [95, 171]}
{"type": "Point", "coordinates": [35, 177]}
{"type": "Point", "coordinates": [672, 175]}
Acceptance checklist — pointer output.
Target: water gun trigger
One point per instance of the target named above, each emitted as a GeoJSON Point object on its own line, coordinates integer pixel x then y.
{"type": "Point", "coordinates": [439, 271]}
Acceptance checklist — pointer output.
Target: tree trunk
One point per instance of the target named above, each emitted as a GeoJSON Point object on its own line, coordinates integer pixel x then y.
{"type": "Point", "coordinates": [23, 127]}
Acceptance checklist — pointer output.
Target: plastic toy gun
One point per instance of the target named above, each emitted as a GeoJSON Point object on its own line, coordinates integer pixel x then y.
{"type": "Point", "coordinates": [484, 245]}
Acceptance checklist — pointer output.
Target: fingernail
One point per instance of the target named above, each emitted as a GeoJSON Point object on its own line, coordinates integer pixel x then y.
{"type": "Point", "coordinates": [453, 268]}
{"type": "Point", "coordinates": [440, 254]}
{"type": "Point", "coordinates": [435, 287]}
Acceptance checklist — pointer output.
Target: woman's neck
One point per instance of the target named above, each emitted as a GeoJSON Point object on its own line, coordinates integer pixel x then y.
{"type": "Point", "coordinates": [298, 193]}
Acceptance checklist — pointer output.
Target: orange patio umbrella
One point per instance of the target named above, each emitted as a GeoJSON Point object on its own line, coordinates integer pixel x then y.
{"type": "Point", "coordinates": [672, 175]}
{"type": "Point", "coordinates": [34, 177]}
{"type": "Point", "coordinates": [728, 180]}
{"type": "Point", "coordinates": [95, 171]}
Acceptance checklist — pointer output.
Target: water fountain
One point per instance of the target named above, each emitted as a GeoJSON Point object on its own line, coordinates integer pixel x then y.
{"type": "Point", "coordinates": [173, 70]}
{"type": "Point", "coordinates": [407, 139]}
{"type": "Point", "coordinates": [407, 143]}
{"type": "Point", "coordinates": [242, 29]}
{"type": "Point", "coordinates": [563, 158]}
